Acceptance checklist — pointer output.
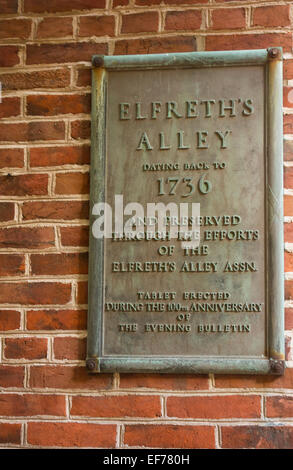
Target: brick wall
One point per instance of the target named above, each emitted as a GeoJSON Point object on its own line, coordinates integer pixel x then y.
{"type": "Point", "coordinates": [47, 399]}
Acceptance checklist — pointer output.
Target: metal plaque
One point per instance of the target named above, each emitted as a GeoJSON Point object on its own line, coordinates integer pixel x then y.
{"type": "Point", "coordinates": [186, 241]}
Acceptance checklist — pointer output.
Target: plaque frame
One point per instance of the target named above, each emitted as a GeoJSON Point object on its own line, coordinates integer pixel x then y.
{"type": "Point", "coordinates": [274, 363]}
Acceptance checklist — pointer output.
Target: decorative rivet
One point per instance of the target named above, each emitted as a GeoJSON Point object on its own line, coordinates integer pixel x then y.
{"type": "Point", "coordinates": [91, 364]}
{"type": "Point", "coordinates": [98, 60]}
{"type": "Point", "coordinates": [274, 52]}
{"type": "Point", "coordinates": [277, 367]}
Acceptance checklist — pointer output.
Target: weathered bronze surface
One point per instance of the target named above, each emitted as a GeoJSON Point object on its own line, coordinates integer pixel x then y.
{"type": "Point", "coordinates": [188, 132]}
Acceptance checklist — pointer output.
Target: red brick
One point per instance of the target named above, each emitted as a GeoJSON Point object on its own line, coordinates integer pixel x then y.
{"type": "Point", "coordinates": [183, 20]}
{"type": "Point", "coordinates": [288, 205]}
{"type": "Point", "coordinates": [24, 185]}
{"type": "Point", "coordinates": [214, 407]}
{"type": "Point", "coordinates": [270, 16]}
{"type": "Point", "coordinates": [288, 150]}
{"type": "Point", "coordinates": [288, 262]}
{"type": "Point", "coordinates": [288, 177]}
{"type": "Point", "coordinates": [68, 378]}
{"type": "Point", "coordinates": [32, 405]}
{"type": "Point", "coordinates": [66, 5]}
{"type": "Point", "coordinates": [6, 211]}
{"type": "Point", "coordinates": [27, 237]}
{"type": "Point", "coordinates": [9, 56]}
{"type": "Point", "coordinates": [84, 77]}
{"type": "Point", "coordinates": [182, 2]}
{"type": "Point", "coordinates": [223, 1]}
{"type": "Point", "coordinates": [65, 52]}
{"type": "Point", "coordinates": [70, 348]}
{"type": "Point", "coordinates": [164, 381]}
{"type": "Point", "coordinates": [288, 232]}
{"type": "Point", "coordinates": [255, 381]}
{"type": "Point", "coordinates": [15, 29]}
{"type": "Point", "coordinates": [8, 6]}
{"type": "Point", "coordinates": [54, 28]}
{"type": "Point", "coordinates": [25, 348]}
{"type": "Point", "coordinates": [228, 18]}
{"type": "Point", "coordinates": [9, 107]}
{"type": "Point", "coordinates": [59, 264]}
{"type": "Point", "coordinates": [140, 22]}
{"type": "Point", "coordinates": [288, 97]}
{"type": "Point", "coordinates": [120, 3]}
{"type": "Point", "coordinates": [56, 319]}
{"type": "Point", "coordinates": [31, 131]}
{"type": "Point", "coordinates": [257, 437]}
{"type": "Point", "coordinates": [75, 236]}
{"type": "Point", "coordinates": [288, 69]}
{"type": "Point", "coordinates": [71, 435]}
{"type": "Point", "coordinates": [96, 26]}
{"type": "Point", "coordinates": [288, 290]}
{"type": "Point", "coordinates": [51, 105]}
{"type": "Point", "coordinates": [10, 433]}
{"type": "Point", "coordinates": [279, 407]}
{"type": "Point", "coordinates": [170, 2]}
{"type": "Point", "coordinates": [55, 210]}
{"type": "Point", "coordinates": [11, 158]}
{"type": "Point", "coordinates": [170, 436]}
{"type": "Point", "coordinates": [72, 183]}
{"type": "Point", "coordinates": [288, 348]}
{"type": "Point", "coordinates": [56, 78]}
{"type": "Point", "coordinates": [148, 2]}
{"type": "Point", "coordinates": [288, 319]}
{"type": "Point", "coordinates": [118, 406]}
{"type": "Point", "coordinates": [81, 129]}
{"type": "Point", "coordinates": [11, 376]}
{"type": "Point", "coordinates": [288, 123]}
{"type": "Point", "coordinates": [249, 41]}
{"type": "Point", "coordinates": [11, 265]}
{"type": "Point", "coordinates": [155, 45]}
{"type": "Point", "coordinates": [9, 320]}
{"type": "Point", "coordinates": [35, 293]}
{"type": "Point", "coordinates": [82, 293]}
{"type": "Point", "coordinates": [58, 156]}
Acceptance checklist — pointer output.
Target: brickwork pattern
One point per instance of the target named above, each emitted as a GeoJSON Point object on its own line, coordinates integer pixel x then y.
{"type": "Point", "coordinates": [47, 399]}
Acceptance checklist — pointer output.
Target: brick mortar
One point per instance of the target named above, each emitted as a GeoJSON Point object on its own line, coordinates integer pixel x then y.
{"type": "Point", "coordinates": [143, 35]}
{"type": "Point", "coordinates": [146, 393]}
{"type": "Point", "coordinates": [25, 390]}
{"type": "Point", "coordinates": [149, 421]}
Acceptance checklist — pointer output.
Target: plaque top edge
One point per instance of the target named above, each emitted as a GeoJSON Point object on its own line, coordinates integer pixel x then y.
{"type": "Point", "coordinates": [188, 59]}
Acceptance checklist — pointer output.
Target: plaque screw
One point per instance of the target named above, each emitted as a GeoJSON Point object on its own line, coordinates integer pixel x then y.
{"type": "Point", "coordinates": [98, 61]}
{"type": "Point", "coordinates": [91, 364]}
{"type": "Point", "coordinates": [277, 367]}
{"type": "Point", "coordinates": [274, 53]}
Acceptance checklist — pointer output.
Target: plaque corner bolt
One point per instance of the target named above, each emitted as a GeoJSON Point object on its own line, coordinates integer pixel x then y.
{"type": "Point", "coordinates": [98, 60]}
{"type": "Point", "coordinates": [275, 53]}
{"type": "Point", "coordinates": [277, 367]}
{"type": "Point", "coordinates": [92, 364]}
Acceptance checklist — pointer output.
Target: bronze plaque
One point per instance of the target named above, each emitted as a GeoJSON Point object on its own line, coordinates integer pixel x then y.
{"type": "Point", "coordinates": [186, 214]}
